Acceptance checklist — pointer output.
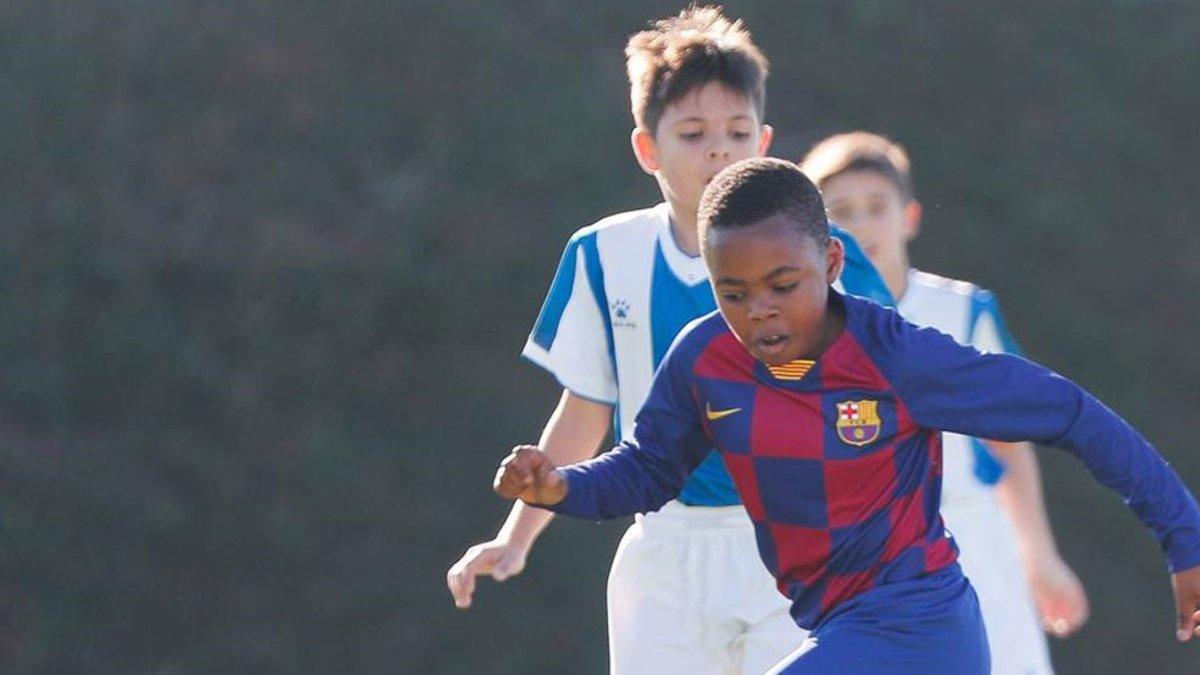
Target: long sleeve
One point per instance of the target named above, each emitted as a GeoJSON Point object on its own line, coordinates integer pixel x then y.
{"type": "Point", "coordinates": [642, 474]}
{"type": "Point", "coordinates": [954, 388]}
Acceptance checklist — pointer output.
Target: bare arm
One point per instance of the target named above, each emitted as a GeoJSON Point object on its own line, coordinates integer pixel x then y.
{"type": "Point", "coordinates": [1061, 600]}
{"type": "Point", "coordinates": [573, 433]}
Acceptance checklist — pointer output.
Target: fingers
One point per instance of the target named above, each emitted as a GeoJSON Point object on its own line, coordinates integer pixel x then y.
{"type": "Point", "coordinates": [1060, 598]}
{"type": "Point", "coordinates": [498, 559]}
{"type": "Point", "coordinates": [514, 475]}
{"type": "Point", "coordinates": [1186, 615]}
{"type": "Point", "coordinates": [461, 580]}
{"type": "Point", "coordinates": [1067, 611]}
{"type": "Point", "coordinates": [521, 469]}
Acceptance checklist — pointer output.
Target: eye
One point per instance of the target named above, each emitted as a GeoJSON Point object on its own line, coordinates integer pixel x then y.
{"type": "Point", "coordinates": [692, 136]}
{"type": "Point", "coordinates": [731, 296]}
{"type": "Point", "coordinates": [740, 135]}
{"type": "Point", "coordinates": [784, 289]}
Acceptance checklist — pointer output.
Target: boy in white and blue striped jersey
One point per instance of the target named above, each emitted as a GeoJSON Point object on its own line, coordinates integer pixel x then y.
{"type": "Point", "coordinates": [687, 592]}
{"type": "Point", "coordinates": [991, 492]}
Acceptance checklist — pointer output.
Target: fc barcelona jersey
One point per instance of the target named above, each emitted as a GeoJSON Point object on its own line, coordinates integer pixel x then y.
{"type": "Point", "coordinates": [838, 461]}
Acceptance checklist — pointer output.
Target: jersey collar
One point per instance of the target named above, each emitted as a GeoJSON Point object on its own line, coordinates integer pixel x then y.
{"type": "Point", "coordinates": [688, 269]}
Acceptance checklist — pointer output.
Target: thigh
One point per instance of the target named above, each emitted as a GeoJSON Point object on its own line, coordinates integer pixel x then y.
{"type": "Point", "coordinates": [769, 640]}
{"type": "Point", "coordinates": [901, 635]}
{"type": "Point", "coordinates": [654, 626]}
{"type": "Point", "coordinates": [769, 632]}
{"type": "Point", "coordinates": [989, 560]}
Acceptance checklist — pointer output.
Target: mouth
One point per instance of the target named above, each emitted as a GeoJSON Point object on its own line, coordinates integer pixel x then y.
{"type": "Point", "coordinates": [772, 344]}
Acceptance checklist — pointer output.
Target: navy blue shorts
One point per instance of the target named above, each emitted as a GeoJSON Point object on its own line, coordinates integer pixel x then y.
{"type": "Point", "coordinates": [926, 626]}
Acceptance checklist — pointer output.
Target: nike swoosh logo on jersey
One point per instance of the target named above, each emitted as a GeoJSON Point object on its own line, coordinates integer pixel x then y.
{"type": "Point", "coordinates": [718, 414]}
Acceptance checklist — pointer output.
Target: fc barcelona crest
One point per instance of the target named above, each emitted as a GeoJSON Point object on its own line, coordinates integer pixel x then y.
{"type": "Point", "coordinates": [858, 421]}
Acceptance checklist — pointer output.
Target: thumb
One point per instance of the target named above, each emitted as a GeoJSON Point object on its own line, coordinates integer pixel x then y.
{"type": "Point", "coordinates": [543, 469]}
{"type": "Point", "coordinates": [508, 565]}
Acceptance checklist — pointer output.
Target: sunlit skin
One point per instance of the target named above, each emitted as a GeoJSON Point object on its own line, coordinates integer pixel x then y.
{"type": "Point", "coordinates": [699, 134]}
{"type": "Point", "coordinates": [772, 285]}
{"type": "Point", "coordinates": [869, 206]}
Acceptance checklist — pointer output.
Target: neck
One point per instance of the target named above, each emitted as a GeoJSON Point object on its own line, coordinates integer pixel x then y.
{"type": "Point", "coordinates": [683, 227]}
{"type": "Point", "coordinates": [896, 278]}
{"type": "Point", "coordinates": [831, 327]}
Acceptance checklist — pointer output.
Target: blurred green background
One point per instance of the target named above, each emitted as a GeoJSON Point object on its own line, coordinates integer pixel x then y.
{"type": "Point", "coordinates": [265, 269]}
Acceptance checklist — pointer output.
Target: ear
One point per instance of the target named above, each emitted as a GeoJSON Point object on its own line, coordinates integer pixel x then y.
{"type": "Point", "coordinates": [645, 149]}
{"type": "Point", "coordinates": [912, 220]}
{"type": "Point", "coordinates": [764, 139]}
{"type": "Point", "coordinates": [835, 260]}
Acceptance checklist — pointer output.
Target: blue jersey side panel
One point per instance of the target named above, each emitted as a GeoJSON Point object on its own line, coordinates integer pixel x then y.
{"type": "Point", "coordinates": [673, 305]}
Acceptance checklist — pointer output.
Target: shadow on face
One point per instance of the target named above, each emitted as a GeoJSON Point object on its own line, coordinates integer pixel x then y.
{"type": "Point", "coordinates": [772, 282]}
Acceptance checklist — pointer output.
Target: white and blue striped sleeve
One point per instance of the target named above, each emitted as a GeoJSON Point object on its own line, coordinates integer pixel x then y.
{"type": "Point", "coordinates": [572, 338]}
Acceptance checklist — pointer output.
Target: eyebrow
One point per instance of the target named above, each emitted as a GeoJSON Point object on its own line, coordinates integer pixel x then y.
{"type": "Point", "coordinates": [878, 193]}
{"type": "Point", "coordinates": [784, 269]}
{"type": "Point", "coordinates": [696, 118]}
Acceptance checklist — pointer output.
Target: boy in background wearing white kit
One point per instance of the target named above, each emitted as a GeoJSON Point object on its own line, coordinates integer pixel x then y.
{"type": "Point", "coordinates": [687, 592]}
{"type": "Point", "coordinates": [992, 497]}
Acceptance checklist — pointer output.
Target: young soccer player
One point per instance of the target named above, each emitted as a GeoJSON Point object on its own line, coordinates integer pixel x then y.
{"type": "Point", "coordinates": [867, 186]}
{"type": "Point", "coordinates": [687, 593]}
{"type": "Point", "coordinates": [827, 410]}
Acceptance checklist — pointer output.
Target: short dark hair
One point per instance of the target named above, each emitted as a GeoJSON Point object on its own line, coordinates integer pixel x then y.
{"type": "Point", "coordinates": [752, 190]}
{"type": "Point", "coordinates": [682, 53]}
{"type": "Point", "coordinates": [859, 151]}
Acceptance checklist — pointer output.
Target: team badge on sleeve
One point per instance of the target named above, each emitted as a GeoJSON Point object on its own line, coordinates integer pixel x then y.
{"type": "Point", "coordinates": [858, 421]}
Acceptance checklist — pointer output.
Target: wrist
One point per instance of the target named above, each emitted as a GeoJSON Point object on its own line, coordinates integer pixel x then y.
{"type": "Point", "coordinates": [556, 489]}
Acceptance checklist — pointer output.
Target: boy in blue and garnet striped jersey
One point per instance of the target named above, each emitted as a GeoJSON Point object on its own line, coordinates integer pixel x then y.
{"type": "Point", "coordinates": [828, 411]}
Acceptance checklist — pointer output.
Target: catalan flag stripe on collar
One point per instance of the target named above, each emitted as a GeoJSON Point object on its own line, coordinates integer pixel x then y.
{"type": "Point", "coordinates": [792, 370]}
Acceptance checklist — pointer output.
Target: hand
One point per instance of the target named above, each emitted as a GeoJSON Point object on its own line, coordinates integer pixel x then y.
{"type": "Point", "coordinates": [1186, 585]}
{"type": "Point", "coordinates": [527, 474]}
{"type": "Point", "coordinates": [501, 559]}
{"type": "Point", "coordinates": [1059, 596]}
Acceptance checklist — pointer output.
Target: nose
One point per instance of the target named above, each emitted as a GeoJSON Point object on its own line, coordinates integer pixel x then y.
{"type": "Point", "coordinates": [761, 309]}
{"type": "Point", "coordinates": [719, 151]}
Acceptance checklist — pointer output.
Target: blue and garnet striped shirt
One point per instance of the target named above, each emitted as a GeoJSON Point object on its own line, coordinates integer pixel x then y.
{"type": "Point", "coordinates": [838, 461]}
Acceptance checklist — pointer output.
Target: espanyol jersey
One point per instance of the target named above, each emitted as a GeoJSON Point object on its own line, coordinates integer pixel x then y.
{"type": "Point", "coordinates": [970, 315]}
{"type": "Point", "coordinates": [622, 292]}
{"type": "Point", "coordinates": [839, 460]}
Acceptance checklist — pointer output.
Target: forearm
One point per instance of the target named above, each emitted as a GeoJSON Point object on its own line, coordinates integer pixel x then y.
{"type": "Point", "coordinates": [621, 482]}
{"type": "Point", "coordinates": [1121, 459]}
{"type": "Point", "coordinates": [1020, 495]}
{"type": "Point", "coordinates": [573, 433]}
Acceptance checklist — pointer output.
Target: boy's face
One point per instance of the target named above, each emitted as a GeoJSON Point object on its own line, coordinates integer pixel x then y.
{"type": "Point", "coordinates": [871, 207]}
{"type": "Point", "coordinates": [705, 131]}
{"type": "Point", "coordinates": [772, 285]}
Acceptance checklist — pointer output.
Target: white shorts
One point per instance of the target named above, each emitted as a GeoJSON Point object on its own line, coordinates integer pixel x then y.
{"type": "Point", "coordinates": [688, 594]}
{"type": "Point", "coordinates": [990, 560]}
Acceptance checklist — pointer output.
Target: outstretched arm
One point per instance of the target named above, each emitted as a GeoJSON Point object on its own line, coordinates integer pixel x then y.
{"type": "Point", "coordinates": [955, 388]}
{"type": "Point", "coordinates": [641, 474]}
{"type": "Point", "coordinates": [1060, 598]}
{"type": "Point", "coordinates": [574, 432]}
